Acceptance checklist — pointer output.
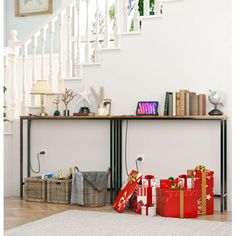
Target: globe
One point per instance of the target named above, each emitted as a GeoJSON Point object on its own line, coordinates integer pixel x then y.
{"type": "Point", "coordinates": [215, 98]}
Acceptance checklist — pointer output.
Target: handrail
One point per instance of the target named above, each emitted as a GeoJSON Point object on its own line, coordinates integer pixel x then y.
{"type": "Point", "coordinates": [44, 24]}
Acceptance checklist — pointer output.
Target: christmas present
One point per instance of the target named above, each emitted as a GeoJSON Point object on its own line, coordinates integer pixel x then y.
{"type": "Point", "coordinates": [154, 182]}
{"type": "Point", "coordinates": [177, 203]}
{"type": "Point", "coordinates": [204, 182]}
{"type": "Point", "coordinates": [136, 204]}
{"type": "Point", "coordinates": [148, 210]}
{"type": "Point", "coordinates": [185, 181]}
{"type": "Point", "coordinates": [126, 192]}
{"type": "Point", "coordinates": [170, 183]}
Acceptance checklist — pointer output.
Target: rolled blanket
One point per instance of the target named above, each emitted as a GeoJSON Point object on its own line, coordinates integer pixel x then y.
{"type": "Point", "coordinates": [77, 189]}
{"type": "Point", "coordinates": [97, 179]}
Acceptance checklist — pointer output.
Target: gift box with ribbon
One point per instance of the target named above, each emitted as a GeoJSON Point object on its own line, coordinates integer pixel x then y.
{"type": "Point", "coordinates": [177, 203]}
{"type": "Point", "coordinates": [204, 182]}
{"type": "Point", "coordinates": [126, 192]}
{"type": "Point", "coordinates": [154, 182]}
{"type": "Point", "coordinates": [148, 210]}
{"type": "Point", "coordinates": [185, 181]}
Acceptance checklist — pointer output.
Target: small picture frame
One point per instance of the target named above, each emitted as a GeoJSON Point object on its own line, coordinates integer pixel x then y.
{"type": "Point", "coordinates": [33, 7]}
{"type": "Point", "coordinates": [147, 108]}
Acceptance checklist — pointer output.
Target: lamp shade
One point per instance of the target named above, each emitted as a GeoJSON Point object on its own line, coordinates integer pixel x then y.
{"type": "Point", "coordinates": [41, 87]}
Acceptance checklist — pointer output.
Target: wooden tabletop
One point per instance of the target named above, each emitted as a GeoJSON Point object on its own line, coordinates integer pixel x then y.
{"type": "Point", "coordinates": [124, 117]}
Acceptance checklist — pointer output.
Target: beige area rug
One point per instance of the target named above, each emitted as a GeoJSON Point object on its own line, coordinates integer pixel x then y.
{"type": "Point", "coordinates": [89, 223]}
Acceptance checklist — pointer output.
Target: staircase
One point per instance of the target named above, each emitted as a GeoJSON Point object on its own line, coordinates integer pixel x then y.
{"type": "Point", "coordinates": [63, 46]}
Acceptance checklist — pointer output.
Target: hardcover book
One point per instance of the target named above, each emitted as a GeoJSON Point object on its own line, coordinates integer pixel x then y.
{"type": "Point", "coordinates": [166, 104]}
{"type": "Point", "coordinates": [182, 102]}
{"type": "Point", "coordinates": [170, 105]}
{"type": "Point", "coordinates": [194, 108]}
{"type": "Point", "coordinates": [177, 98]}
{"type": "Point", "coordinates": [201, 104]}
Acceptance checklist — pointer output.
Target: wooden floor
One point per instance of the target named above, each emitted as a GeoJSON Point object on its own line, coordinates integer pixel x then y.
{"type": "Point", "coordinates": [18, 212]}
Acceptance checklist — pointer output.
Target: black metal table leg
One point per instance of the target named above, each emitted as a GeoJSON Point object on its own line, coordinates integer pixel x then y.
{"type": "Point", "coordinates": [225, 164]}
{"type": "Point", "coordinates": [111, 162]}
{"type": "Point", "coordinates": [28, 147]}
{"type": "Point", "coordinates": [221, 165]}
{"type": "Point", "coordinates": [21, 158]}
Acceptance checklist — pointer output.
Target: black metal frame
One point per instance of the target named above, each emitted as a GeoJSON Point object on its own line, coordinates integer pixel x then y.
{"type": "Point", "coordinates": [116, 149]}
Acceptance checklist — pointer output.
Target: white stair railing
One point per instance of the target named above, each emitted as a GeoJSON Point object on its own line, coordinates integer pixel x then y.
{"type": "Point", "coordinates": [54, 51]}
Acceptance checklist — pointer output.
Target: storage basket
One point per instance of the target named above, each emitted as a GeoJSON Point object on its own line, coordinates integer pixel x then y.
{"type": "Point", "coordinates": [93, 197]}
{"type": "Point", "coordinates": [59, 191]}
{"type": "Point", "coordinates": [35, 189]}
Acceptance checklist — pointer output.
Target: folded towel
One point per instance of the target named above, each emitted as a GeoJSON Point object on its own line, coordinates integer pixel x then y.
{"type": "Point", "coordinates": [77, 189]}
{"type": "Point", "coordinates": [97, 179]}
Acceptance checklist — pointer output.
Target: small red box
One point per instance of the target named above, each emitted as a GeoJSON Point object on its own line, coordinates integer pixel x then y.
{"type": "Point", "coordinates": [177, 203]}
{"type": "Point", "coordinates": [165, 184]}
{"type": "Point", "coordinates": [203, 181]}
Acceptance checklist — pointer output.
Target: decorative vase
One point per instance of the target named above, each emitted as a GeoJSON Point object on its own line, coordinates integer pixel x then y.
{"type": "Point", "coordinates": [56, 113]}
{"type": "Point", "coordinates": [66, 112]}
{"type": "Point", "coordinates": [103, 111]}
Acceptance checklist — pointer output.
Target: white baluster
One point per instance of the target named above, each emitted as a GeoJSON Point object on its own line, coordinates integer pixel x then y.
{"type": "Point", "coordinates": [73, 41]}
{"type": "Point", "coordinates": [106, 32]}
{"type": "Point", "coordinates": [117, 28]}
{"type": "Point", "coordinates": [146, 7]}
{"type": "Point", "coordinates": [34, 48]}
{"type": "Point", "coordinates": [87, 33]}
{"type": "Point", "coordinates": [78, 39]}
{"type": "Point", "coordinates": [24, 103]}
{"type": "Point", "coordinates": [125, 16]}
{"type": "Point", "coordinates": [69, 31]}
{"type": "Point", "coordinates": [158, 7]}
{"type": "Point", "coordinates": [50, 78]}
{"type": "Point", "coordinates": [97, 51]}
{"type": "Point", "coordinates": [136, 16]}
{"type": "Point", "coordinates": [60, 47]}
{"type": "Point", "coordinates": [43, 40]}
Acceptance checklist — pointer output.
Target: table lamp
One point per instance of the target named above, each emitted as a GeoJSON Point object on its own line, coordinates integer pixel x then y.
{"type": "Point", "coordinates": [41, 87]}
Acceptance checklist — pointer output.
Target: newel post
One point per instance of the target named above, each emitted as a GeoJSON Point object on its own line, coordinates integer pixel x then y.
{"type": "Point", "coordinates": [12, 90]}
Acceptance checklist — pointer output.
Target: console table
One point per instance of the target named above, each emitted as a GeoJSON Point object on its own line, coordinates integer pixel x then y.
{"type": "Point", "coordinates": [116, 146]}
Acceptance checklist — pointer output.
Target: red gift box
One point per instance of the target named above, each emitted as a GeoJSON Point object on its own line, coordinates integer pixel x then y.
{"type": "Point", "coordinates": [177, 203]}
{"type": "Point", "coordinates": [165, 184]}
{"type": "Point", "coordinates": [126, 192]}
{"type": "Point", "coordinates": [204, 182]}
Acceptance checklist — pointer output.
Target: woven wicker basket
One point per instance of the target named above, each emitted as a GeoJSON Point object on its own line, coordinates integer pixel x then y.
{"type": "Point", "coordinates": [35, 189]}
{"type": "Point", "coordinates": [59, 191]}
{"type": "Point", "coordinates": [93, 197]}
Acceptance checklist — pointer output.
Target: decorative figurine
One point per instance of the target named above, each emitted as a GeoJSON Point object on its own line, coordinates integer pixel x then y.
{"type": "Point", "coordinates": [104, 105]}
{"type": "Point", "coordinates": [67, 97]}
{"type": "Point", "coordinates": [215, 98]}
{"type": "Point", "coordinates": [60, 175]}
{"type": "Point", "coordinates": [57, 101]}
{"type": "Point", "coordinates": [84, 97]}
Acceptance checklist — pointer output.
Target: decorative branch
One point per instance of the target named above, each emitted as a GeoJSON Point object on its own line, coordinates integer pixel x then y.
{"type": "Point", "coordinates": [67, 97]}
{"type": "Point", "coordinates": [56, 101]}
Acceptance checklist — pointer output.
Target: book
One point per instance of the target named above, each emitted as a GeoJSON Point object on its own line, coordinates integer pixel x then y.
{"type": "Point", "coordinates": [182, 102]}
{"type": "Point", "coordinates": [170, 104]}
{"type": "Point", "coordinates": [201, 104]}
{"type": "Point", "coordinates": [174, 104]}
{"type": "Point", "coordinates": [166, 104]}
{"type": "Point", "coordinates": [187, 104]}
{"type": "Point", "coordinates": [194, 107]}
{"type": "Point", "coordinates": [177, 101]}
{"type": "Point", "coordinates": [190, 102]}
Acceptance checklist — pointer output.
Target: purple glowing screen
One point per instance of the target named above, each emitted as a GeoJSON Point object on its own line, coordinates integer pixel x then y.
{"type": "Point", "coordinates": [147, 108]}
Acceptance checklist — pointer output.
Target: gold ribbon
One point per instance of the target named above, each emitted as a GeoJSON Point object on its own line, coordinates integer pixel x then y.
{"type": "Point", "coordinates": [132, 178]}
{"type": "Point", "coordinates": [181, 194]}
{"type": "Point", "coordinates": [204, 173]}
{"type": "Point", "coordinates": [200, 168]}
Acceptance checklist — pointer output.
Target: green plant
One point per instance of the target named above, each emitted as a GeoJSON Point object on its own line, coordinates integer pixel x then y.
{"type": "Point", "coordinates": [140, 4]}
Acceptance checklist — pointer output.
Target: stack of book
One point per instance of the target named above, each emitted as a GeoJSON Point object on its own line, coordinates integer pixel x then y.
{"type": "Point", "coordinates": [185, 103]}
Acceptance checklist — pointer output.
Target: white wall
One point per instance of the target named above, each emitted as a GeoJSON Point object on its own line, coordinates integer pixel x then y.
{"type": "Point", "coordinates": [190, 47]}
